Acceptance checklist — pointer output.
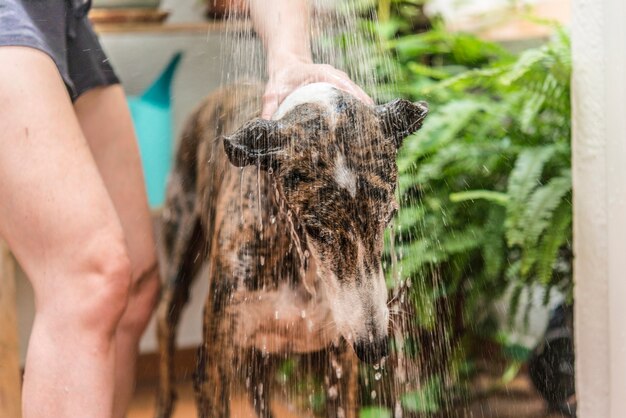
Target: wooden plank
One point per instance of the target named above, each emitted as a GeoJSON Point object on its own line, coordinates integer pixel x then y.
{"type": "Point", "coordinates": [10, 377]}
{"type": "Point", "coordinates": [172, 28]}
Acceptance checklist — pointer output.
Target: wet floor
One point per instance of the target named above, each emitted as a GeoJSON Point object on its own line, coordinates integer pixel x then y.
{"type": "Point", "coordinates": [143, 405]}
{"type": "Point", "coordinates": [517, 400]}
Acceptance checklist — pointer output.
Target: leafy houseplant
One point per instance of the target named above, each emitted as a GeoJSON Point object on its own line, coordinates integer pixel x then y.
{"type": "Point", "coordinates": [486, 184]}
{"type": "Point", "coordinates": [485, 188]}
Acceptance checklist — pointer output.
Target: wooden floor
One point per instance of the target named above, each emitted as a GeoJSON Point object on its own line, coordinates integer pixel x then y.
{"type": "Point", "coordinates": [143, 405]}
{"type": "Point", "coordinates": [517, 400]}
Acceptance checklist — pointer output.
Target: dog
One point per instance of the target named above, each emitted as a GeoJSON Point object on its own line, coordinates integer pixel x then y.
{"type": "Point", "coordinates": [290, 215]}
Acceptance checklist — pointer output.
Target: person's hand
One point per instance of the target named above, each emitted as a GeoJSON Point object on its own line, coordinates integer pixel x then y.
{"type": "Point", "coordinates": [296, 74]}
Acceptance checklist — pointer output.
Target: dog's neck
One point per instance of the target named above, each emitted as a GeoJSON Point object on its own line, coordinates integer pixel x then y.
{"type": "Point", "coordinates": [306, 265]}
{"type": "Point", "coordinates": [323, 94]}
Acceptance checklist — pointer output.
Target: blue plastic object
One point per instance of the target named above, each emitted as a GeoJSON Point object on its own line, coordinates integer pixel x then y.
{"type": "Point", "coordinates": [152, 117]}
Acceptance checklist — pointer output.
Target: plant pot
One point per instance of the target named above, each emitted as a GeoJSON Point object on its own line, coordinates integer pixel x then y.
{"type": "Point", "coordinates": [223, 8]}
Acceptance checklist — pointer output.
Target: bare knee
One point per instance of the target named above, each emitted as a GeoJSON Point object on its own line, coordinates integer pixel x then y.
{"type": "Point", "coordinates": [114, 274]}
{"type": "Point", "coordinates": [144, 294]}
{"type": "Point", "coordinates": [94, 293]}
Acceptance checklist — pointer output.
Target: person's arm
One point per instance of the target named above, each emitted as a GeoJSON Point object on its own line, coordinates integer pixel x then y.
{"type": "Point", "coordinates": [283, 25]}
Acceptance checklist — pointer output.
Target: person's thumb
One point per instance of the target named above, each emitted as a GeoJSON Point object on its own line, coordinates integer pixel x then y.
{"type": "Point", "coordinates": [270, 105]}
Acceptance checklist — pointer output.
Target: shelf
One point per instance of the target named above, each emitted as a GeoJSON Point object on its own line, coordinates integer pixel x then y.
{"type": "Point", "coordinates": [169, 28]}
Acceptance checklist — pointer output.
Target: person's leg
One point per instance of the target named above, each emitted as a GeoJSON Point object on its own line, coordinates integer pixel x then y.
{"type": "Point", "coordinates": [60, 223]}
{"type": "Point", "coordinates": [106, 123]}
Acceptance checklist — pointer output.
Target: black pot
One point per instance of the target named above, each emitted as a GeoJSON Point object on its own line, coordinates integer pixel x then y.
{"type": "Point", "coordinates": [551, 366]}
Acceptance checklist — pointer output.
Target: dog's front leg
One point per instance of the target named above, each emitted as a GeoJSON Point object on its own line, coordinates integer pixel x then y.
{"type": "Point", "coordinates": [215, 367]}
{"type": "Point", "coordinates": [186, 256]}
{"type": "Point", "coordinates": [259, 375]}
{"type": "Point", "coordinates": [342, 383]}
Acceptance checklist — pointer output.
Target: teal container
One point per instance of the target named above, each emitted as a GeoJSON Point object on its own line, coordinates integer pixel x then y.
{"type": "Point", "coordinates": [152, 118]}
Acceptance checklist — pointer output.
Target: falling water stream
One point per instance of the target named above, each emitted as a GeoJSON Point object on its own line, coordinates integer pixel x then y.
{"type": "Point", "coordinates": [301, 383]}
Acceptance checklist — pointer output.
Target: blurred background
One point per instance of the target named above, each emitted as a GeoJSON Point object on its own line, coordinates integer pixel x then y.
{"type": "Point", "coordinates": [479, 260]}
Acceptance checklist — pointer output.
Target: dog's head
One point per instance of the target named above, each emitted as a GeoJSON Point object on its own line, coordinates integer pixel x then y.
{"type": "Point", "coordinates": [334, 162]}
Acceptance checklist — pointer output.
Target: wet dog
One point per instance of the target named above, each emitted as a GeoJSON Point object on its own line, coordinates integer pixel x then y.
{"type": "Point", "coordinates": [290, 215]}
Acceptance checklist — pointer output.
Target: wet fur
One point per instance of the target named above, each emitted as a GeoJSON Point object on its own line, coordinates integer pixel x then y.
{"type": "Point", "coordinates": [262, 270]}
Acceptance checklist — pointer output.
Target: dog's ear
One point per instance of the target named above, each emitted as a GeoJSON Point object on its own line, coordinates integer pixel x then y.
{"type": "Point", "coordinates": [259, 142]}
{"type": "Point", "coordinates": [401, 118]}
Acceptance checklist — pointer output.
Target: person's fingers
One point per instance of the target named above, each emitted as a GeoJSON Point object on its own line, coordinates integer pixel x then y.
{"type": "Point", "coordinates": [271, 101]}
{"type": "Point", "coordinates": [283, 84]}
{"type": "Point", "coordinates": [357, 91]}
{"type": "Point", "coordinates": [268, 111]}
{"type": "Point", "coordinates": [341, 81]}
{"type": "Point", "coordinates": [269, 108]}
{"type": "Point", "coordinates": [364, 97]}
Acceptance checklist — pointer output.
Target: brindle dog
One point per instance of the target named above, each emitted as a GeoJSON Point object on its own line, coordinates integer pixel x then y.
{"type": "Point", "coordinates": [293, 238]}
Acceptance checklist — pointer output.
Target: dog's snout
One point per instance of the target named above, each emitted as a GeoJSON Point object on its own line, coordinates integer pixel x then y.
{"type": "Point", "coordinates": [372, 352]}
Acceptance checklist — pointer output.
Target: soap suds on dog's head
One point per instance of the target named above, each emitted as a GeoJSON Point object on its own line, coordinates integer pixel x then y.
{"type": "Point", "coordinates": [323, 94]}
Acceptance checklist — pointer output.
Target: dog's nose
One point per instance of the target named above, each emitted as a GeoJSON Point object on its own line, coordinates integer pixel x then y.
{"type": "Point", "coordinates": [372, 352]}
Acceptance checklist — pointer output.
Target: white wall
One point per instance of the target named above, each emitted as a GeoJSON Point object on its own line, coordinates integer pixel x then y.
{"type": "Point", "coordinates": [184, 10]}
{"type": "Point", "coordinates": [599, 160]}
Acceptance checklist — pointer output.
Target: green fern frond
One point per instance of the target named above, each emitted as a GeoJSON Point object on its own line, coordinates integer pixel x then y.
{"type": "Point", "coordinates": [417, 255]}
{"type": "Point", "coordinates": [539, 211]}
{"type": "Point", "coordinates": [493, 248]}
{"type": "Point", "coordinates": [524, 64]}
{"type": "Point", "coordinates": [494, 197]}
{"type": "Point", "coordinates": [468, 79]}
{"type": "Point", "coordinates": [556, 236]}
{"type": "Point", "coordinates": [462, 241]}
{"type": "Point", "coordinates": [524, 178]}
{"type": "Point", "coordinates": [514, 302]}
{"type": "Point", "coordinates": [439, 130]}
{"type": "Point", "coordinates": [409, 216]}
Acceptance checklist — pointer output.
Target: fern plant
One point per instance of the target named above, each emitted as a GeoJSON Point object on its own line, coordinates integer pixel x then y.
{"type": "Point", "coordinates": [485, 185]}
{"type": "Point", "coordinates": [489, 174]}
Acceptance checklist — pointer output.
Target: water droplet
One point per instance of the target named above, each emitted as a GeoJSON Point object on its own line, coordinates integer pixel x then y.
{"type": "Point", "coordinates": [398, 410]}
{"type": "Point", "coordinates": [262, 260]}
{"type": "Point", "coordinates": [373, 394]}
{"type": "Point", "coordinates": [273, 219]}
{"type": "Point", "coordinates": [377, 376]}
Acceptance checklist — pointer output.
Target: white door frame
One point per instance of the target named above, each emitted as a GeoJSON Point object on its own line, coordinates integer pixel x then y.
{"type": "Point", "coordinates": [599, 170]}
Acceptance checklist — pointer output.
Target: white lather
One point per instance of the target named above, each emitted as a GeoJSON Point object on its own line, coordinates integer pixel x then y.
{"type": "Point", "coordinates": [323, 94]}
